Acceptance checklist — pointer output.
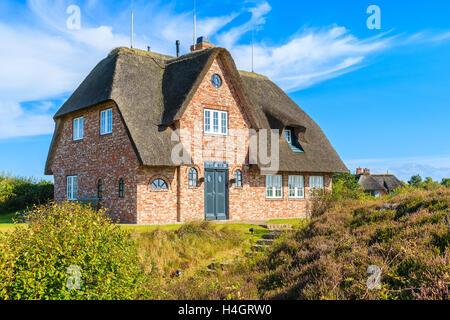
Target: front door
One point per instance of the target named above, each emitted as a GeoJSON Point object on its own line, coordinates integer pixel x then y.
{"type": "Point", "coordinates": [216, 191]}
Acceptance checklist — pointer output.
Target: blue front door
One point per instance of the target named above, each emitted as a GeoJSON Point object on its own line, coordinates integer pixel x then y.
{"type": "Point", "coordinates": [216, 192]}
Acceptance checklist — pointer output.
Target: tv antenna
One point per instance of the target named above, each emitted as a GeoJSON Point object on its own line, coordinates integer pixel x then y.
{"type": "Point", "coordinates": [195, 22]}
{"type": "Point", "coordinates": [132, 24]}
{"type": "Point", "coordinates": [253, 50]}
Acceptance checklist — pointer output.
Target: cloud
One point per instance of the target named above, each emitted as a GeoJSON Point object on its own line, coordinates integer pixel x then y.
{"type": "Point", "coordinates": [44, 59]}
{"type": "Point", "coordinates": [437, 167]}
{"type": "Point", "coordinates": [15, 121]}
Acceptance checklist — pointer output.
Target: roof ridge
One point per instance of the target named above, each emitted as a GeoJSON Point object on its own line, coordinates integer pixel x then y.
{"type": "Point", "coordinates": [190, 55]}
{"type": "Point", "coordinates": [253, 75]}
{"type": "Point", "coordinates": [120, 50]}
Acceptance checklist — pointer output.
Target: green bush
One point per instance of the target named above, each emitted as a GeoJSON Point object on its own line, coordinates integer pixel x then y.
{"type": "Point", "coordinates": [36, 258]}
{"type": "Point", "coordinates": [18, 194]}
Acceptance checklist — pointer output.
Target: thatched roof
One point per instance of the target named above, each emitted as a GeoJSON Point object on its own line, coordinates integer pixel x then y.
{"type": "Point", "coordinates": [386, 182]}
{"type": "Point", "coordinates": [152, 91]}
{"type": "Point", "coordinates": [369, 183]}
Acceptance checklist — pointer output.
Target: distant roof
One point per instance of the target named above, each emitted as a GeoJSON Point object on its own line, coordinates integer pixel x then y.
{"type": "Point", "coordinates": [387, 182]}
{"type": "Point", "coordinates": [152, 91]}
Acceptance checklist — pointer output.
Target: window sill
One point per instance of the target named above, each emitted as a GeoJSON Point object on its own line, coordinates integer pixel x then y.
{"type": "Point", "coordinates": [105, 134]}
{"type": "Point", "coordinates": [296, 198]}
{"type": "Point", "coordinates": [77, 140]}
{"type": "Point", "coordinates": [216, 134]}
{"type": "Point", "coordinates": [271, 199]}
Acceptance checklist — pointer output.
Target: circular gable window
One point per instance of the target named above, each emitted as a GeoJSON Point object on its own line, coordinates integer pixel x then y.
{"type": "Point", "coordinates": [216, 80]}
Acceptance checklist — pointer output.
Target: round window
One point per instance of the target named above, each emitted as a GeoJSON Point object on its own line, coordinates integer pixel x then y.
{"type": "Point", "coordinates": [216, 80]}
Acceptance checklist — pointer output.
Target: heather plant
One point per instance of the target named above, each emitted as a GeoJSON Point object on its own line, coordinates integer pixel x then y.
{"type": "Point", "coordinates": [68, 251]}
{"type": "Point", "coordinates": [405, 236]}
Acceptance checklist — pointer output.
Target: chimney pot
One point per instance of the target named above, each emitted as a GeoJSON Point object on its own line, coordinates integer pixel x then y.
{"type": "Point", "coordinates": [359, 171]}
{"type": "Point", "coordinates": [202, 43]}
{"type": "Point", "coordinates": [177, 43]}
{"type": "Point", "coordinates": [367, 171]}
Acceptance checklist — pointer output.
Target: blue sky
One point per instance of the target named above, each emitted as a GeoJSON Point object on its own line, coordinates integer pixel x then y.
{"type": "Point", "coordinates": [381, 96]}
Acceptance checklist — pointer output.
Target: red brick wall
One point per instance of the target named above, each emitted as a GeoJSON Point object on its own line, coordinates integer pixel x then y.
{"type": "Point", "coordinates": [108, 157]}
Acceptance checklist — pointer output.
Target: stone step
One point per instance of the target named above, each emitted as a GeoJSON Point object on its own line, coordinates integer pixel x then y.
{"type": "Point", "coordinates": [220, 265]}
{"type": "Point", "coordinates": [265, 242]}
{"type": "Point", "coordinates": [271, 235]}
{"type": "Point", "coordinates": [259, 248]}
{"type": "Point", "coordinates": [277, 226]}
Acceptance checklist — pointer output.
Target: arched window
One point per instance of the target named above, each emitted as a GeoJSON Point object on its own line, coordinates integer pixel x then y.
{"type": "Point", "coordinates": [193, 177]}
{"type": "Point", "coordinates": [159, 184]}
{"type": "Point", "coordinates": [121, 188]}
{"type": "Point", "coordinates": [238, 178]}
{"type": "Point", "coordinates": [100, 189]}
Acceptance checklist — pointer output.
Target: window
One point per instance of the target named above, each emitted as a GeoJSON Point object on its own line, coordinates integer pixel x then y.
{"type": "Point", "coordinates": [78, 129]}
{"type": "Point", "coordinates": [315, 183]}
{"type": "Point", "coordinates": [377, 193]}
{"type": "Point", "coordinates": [72, 187]}
{"type": "Point", "coordinates": [100, 189]}
{"type": "Point", "coordinates": [238, 178]}
{"type": "Point", "coordinates": [159, 185]}
{"type": "Point", "coordinates": [296, 187]}
{"type": "Point", "coordinates": [288, 135]}
{"type": "Point", "coordinates": [106, 122]}
{"type": "Point", "coordinates": [193, 177]}
{"type": "Point", "coordinates": [274, 187]}
{"type": "Point", "coordinates": [219, 122]}
{"type": "Point", "coordinates": [121, 189]}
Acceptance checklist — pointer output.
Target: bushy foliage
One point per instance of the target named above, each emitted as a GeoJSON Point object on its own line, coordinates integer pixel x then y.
{"type": "Point", "coordinates": [20, 193]}
{"type": "Point", "coordinates": [35, 258]}
{"type": "Point", "coordinates": [406, 236]}
{"type": "Point", "coordinates": [427, 184]}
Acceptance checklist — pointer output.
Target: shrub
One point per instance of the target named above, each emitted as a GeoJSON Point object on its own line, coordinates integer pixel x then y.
{"type": "Point", "coordinates": [407, 236]}
{"type": "Point", "coordinates": [35, 258]}
{"type": "Point", "coordinates": [20, 193]}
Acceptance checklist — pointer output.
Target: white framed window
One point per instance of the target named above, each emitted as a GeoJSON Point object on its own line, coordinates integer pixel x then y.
{"type": "Point", "coordinates": [296, 187]}
{"type": "Point", "coordinates": [78, 129]}
{"type": "Point", "coordinates": [288, 135]}
{"type": "Point", "coordinates": [274, 187]}
{"type": "Point", "coordinates": [216, 122]}
{"type": "Point", "coordinates": [315, 184]}
{"type": "Point", "coordinates": [193, 178]}
{"type": "Point", "coordinates": [72, 187]}
{"type": "Point", "coordinates": [106, 122]}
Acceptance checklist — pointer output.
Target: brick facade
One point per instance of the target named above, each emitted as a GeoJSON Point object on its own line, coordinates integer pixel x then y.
{"type": "Point", "coordinates": [112, 157]}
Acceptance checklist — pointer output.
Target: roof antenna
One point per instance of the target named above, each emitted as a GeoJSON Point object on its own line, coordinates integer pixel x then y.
{"type": "Point", "coordinates": [253, 50]}
{"type": "Point", "coordinates": [132, 25]}
{"type": "Point", "coordinates": [195, 21]}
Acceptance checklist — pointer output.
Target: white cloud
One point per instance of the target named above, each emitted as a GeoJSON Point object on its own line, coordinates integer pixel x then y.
{"type": "Point", "coordinates": [44, 59]}
{"type": "Point", "coordinates": [17, 122]}
{"type": "Point", "coordinates": [437, 167]}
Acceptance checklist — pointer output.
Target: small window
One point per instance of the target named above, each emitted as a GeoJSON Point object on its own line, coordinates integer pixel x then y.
{"type": "Point", "coordinates": [288, 135]}
{"type": "Point", "coordinates": [193, 177]}
{"type": "Point", "coordinates": [219, 121]}
{"type": "Point", "coordinates": [100, 189]}
{"type": "Point", "coordinates": [158, 185]}
{"type": "Point", "coordinates": [274, 187]}
{"type": "Point", "coordinates": [106, 122]}
{"type": "Point", "coordinates": [316, 184]}
{"type": "Point", "coordinates": [78, 129]}
{"type": "Point", "coordinates": [121, 189]}
{"type": "Point", "coordinates": [72, 187]}
{"type": "Point", "coordinates": [296, 187]}
{"type": "Point", "coordinates": [238, 178]}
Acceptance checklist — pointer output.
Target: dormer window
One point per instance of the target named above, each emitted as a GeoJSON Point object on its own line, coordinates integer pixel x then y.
{"type": "Point", "coordinates": [288, 135]}
{"type": "Point", "coordinates": [292, 140]}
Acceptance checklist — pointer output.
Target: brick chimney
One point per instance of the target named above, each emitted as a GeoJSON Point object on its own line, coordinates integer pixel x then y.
{"type": "Point", "coordinates": [202, 43]}
{"type": "Point", "coordinates": [359, 171]}
{"type": "Point", "coordinates": [367, 171]}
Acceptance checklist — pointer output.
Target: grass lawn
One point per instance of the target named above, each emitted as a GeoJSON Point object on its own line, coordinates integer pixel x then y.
{"type": "Point", "coordinates": [296, 223]}
{"type": "Point", "coordinates": [6, 221]}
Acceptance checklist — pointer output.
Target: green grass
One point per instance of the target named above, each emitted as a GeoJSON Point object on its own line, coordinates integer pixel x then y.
{"type": "Point", "coordinates": [296, 223]}
{"type": "Point", "coordinates": [7, 218]}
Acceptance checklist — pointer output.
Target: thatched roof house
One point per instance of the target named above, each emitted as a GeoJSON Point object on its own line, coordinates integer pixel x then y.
{"type": "Point", "coordinates": [153, 93]}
